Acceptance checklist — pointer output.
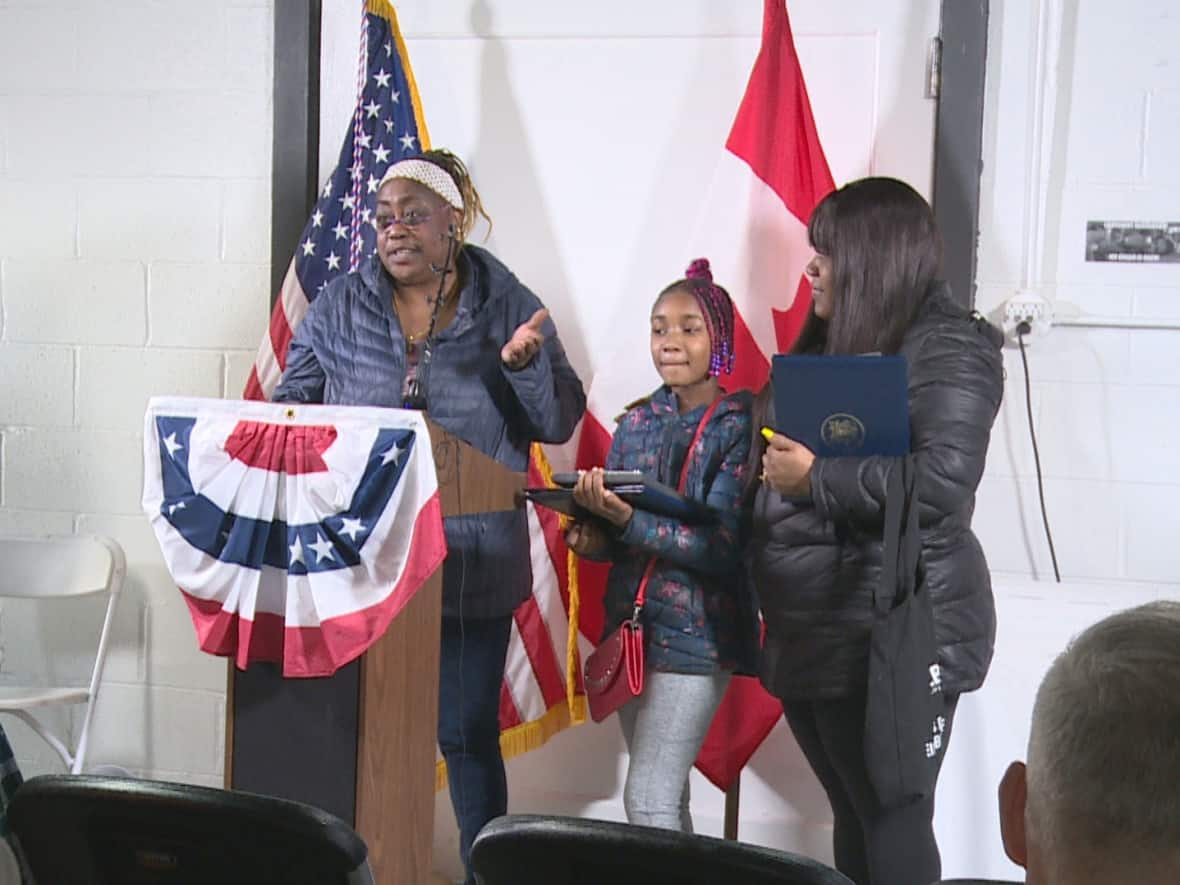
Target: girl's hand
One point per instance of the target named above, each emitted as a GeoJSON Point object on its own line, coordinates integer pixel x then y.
{"type": "Point", "coordinates": [786, 466]}
{"type": "Point", "coordinates": [586, 539]}
{"type": "Point", "coordinates": [591, 492]}
{"type": "Point", "coordinates": [525, 341]}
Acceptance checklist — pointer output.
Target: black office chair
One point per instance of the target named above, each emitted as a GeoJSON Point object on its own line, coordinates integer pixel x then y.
{"type": "Point", "coordinates": [526, 849]}
{"type": "Point", "coordinates": [87, 830]}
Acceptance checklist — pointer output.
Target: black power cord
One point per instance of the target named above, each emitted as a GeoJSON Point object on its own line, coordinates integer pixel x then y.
{"type": "Point", "coordinates": [1022, 329]}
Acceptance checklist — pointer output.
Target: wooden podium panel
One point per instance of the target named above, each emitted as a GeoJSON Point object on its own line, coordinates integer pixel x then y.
{"type": "Point", "coordinates": [361, 743]}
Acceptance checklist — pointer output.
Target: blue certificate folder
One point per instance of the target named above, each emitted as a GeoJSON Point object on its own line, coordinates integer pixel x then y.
{"type": "Point", "coordinates": [630, 485]}
{"type": "Point", "coordinates": [843, 406]}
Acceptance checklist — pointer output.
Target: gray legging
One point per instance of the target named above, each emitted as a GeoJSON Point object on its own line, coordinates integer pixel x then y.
{"type": "Point", "coordinates": [664, 728]}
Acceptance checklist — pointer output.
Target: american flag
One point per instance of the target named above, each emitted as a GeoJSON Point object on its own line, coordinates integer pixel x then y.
{"type": "Point", "coordinates": [387, 126]}
{"type": "Point", "coordinates": [541, 693]}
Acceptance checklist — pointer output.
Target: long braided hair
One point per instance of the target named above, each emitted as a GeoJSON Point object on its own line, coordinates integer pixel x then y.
{"type": "Point", "coordinates": [717, 307]}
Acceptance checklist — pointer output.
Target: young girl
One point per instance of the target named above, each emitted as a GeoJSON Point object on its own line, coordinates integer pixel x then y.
{"type": "Point", "coordinates": [698, 619]}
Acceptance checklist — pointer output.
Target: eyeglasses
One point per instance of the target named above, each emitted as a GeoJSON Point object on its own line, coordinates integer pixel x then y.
{"type": "Point", "coordinates": [384, 221]}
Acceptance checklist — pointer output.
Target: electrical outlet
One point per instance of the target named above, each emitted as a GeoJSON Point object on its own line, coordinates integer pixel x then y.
{"type": "Point", "coordinates": [1027, 307]}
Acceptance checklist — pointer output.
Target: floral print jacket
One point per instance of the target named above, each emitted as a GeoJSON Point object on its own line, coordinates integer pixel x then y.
{"type": "Point", "coordinates": [699, 616]}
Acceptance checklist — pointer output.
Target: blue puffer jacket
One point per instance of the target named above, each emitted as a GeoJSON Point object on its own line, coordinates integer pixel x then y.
{"type": "Point", "coordinates": [699, 617]}
{"type": "Point", "coordinates": [350, 350]}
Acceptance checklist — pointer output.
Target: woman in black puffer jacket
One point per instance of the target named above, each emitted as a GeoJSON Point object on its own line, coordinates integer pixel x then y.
{"type": "Point", "coordinates": [817, 522]}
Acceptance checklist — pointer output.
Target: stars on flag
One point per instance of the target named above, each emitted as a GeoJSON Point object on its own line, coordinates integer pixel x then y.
{"type": "Point", "coordinates": [351, 527]}
{"type": "Point", "coordinates": [383, 130]}
{"type": "Point", "coordinates": [172, 445]}
{"type": "Point", "coordinates": [394, 455]}
{"type": "Point", "coordinates": [323, 548]}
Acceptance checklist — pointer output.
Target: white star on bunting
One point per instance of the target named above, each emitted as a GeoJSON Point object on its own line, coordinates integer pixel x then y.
{"type": "Point", "coordinates": [394, 454]}
{"type": "Point", "coordinates": [322, 548]}
{"type": "Point", "coordinates": [351, 527]}
{"type": "Point", "coordinates": [297, 551]}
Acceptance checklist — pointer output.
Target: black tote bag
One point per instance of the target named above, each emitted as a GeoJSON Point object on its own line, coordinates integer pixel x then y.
{"type": "Point", "coordinates": [904, 710]}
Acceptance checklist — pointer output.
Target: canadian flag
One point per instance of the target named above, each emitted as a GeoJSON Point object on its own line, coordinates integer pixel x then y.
{"type": "Point", "coordinates": [753, 229]}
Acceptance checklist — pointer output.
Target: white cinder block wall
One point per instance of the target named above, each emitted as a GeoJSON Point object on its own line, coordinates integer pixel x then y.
{"type": "Point", "coordinates": [1106, 402]}
{"type": "Point", "coordinates": [134, 260]}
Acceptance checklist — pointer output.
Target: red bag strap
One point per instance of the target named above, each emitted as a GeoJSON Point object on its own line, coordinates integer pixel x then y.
{"type": "Point", "coordinates": [641, 594]}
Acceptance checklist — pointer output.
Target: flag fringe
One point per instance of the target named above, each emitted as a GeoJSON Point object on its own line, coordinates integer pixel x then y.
{"type": "Point", "coordinates": [528, 736]}
{"type": "Point", "coordinates": [385, 9]}
{"type": "Point", "coordinates": [573, 660]}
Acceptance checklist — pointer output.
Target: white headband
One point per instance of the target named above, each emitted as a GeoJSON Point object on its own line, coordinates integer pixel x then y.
{"type": "Point", "coordinates": [426, 173]}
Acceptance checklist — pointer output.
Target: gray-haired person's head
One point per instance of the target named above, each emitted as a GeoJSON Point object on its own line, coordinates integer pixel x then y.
{"type": "Point", "coordinates": [1104, 752]}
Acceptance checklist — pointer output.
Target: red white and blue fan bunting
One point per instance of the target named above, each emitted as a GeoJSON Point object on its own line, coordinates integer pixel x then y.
{"type": "Point", "coordinates": [295, 533]}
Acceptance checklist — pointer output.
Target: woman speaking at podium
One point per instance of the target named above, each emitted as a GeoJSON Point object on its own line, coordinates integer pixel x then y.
{"type": "Point", "coordinates": [817, 553]}
{"type": "Point", "coordinates": [434, 323]}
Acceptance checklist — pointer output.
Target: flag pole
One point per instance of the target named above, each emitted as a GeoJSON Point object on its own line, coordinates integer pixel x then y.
{"type": "Point", "coordinates": [733, 798]}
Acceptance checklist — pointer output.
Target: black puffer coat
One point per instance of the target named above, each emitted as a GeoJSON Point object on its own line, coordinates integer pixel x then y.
{"type": "Point", "coordinates": [815, 565]}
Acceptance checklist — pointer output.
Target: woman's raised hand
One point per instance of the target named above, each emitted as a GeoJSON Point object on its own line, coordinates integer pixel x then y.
{"type": "Point", "coordinates": [525, 341]}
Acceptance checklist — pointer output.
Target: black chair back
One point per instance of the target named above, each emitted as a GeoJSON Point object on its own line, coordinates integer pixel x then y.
{"type": "Point", "coordinates": [88, 830]}
{"type": "Point", "coordinates": [535, 850]}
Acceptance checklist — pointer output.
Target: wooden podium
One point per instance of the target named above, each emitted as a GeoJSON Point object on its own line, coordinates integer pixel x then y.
{"type": "Point", "coordinates": [361, 743]}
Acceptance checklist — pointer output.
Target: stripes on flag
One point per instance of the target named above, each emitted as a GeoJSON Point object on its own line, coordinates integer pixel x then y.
{"type": "Point", "coordinates": [538, 697]}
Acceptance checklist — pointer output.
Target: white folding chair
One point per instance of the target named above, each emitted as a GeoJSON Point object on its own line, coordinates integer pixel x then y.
{"type": "Point", "coordinates": [54, 567]}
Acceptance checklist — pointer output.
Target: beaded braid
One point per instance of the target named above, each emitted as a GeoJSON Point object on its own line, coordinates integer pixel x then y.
{"type": "Point", "coordinates": [717, 307]}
